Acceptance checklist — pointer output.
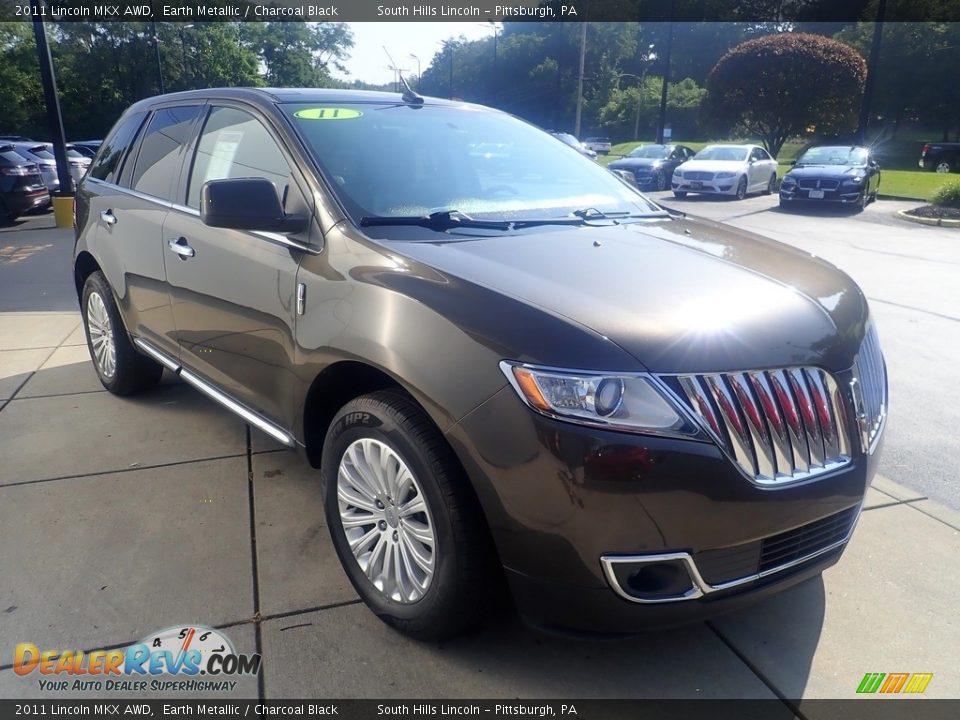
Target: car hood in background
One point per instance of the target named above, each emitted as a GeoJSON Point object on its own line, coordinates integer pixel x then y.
{"type": "Point", "coordinates": [831, 172]}
{"type": "Point", "coordinates": [708, 301]}
{"type": "Point", "coordinates": [629, 163]}
{"type": "Point", "coordinates": [714, 165]}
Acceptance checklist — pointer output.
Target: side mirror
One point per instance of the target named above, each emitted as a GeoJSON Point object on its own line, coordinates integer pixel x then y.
{"type": "Point", "coordinates": [246, 204]}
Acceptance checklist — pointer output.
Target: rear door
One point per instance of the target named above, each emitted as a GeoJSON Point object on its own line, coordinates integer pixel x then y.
{"type": "Point", "coordinates": [234, 295]}
{"type": "Point", "coordinates": [129, 206]}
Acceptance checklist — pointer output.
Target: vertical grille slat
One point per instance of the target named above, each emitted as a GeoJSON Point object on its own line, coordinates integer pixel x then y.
{"type": "Point", "coordinates": [777, 425]}
{"type": "Point", "coordinates": [870, 390]}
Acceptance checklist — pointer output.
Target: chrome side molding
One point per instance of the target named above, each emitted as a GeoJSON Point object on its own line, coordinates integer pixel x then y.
{"type": "Point", "coordinates": [250, 416]}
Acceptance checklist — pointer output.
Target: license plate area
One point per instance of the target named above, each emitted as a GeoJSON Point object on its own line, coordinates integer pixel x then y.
{"type": "Point", "coordinates": [696, 184]}
{"type": "Point", "coordinates": [816, 194]}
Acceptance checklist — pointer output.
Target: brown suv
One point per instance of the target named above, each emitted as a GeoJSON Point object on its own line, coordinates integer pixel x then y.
{"type": "Point", "coordinates": [512, 367]}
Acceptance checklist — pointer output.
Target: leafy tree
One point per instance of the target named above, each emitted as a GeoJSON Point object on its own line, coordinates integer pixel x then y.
{"type": "Point", "coordinates": [775, 87]}
{"type": "Point", "coordinates": [618, 117]}
{"type": "Point", "coordinates": [300, 54]}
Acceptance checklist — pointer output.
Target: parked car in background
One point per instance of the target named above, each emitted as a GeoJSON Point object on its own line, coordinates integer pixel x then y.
{"type": "Point", "coordinates": [572, 141]}
{"type": "Point", "coordinates": [87, 147]}
{"type": "Point", "coordinates": [21, 186]}
{"type": "Point", "coordinates": [940, 157]}
{"type": "Point", "coordinates": [736, 170]}
{"type": "Point", "coordinates": [845, 174]}
{"type": "Point", "coordinates": [652, 165]}
{"type": "Point", "coordinates": [42, 155]}
{"type": "Point", "coordinates": [14, 138]}
{"type": "Point", "coordinates": [599, 145]}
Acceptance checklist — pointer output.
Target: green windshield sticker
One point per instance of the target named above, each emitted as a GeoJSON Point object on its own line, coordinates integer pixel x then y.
{"type": "Point", "coordinates": [327, 114]}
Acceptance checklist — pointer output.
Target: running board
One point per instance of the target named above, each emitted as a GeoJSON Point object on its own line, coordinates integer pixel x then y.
{"type": "Point", "coordinates": [255, 419]}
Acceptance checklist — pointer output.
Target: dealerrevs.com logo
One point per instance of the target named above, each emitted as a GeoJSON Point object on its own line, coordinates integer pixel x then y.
{"type": "Point", "coordinates": [190, 658]}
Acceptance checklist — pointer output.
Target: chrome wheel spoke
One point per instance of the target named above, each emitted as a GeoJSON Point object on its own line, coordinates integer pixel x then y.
{"type": "Point", "coordinates": [386, 520]}
{"type": "Point", "coordinates": [101, 335]}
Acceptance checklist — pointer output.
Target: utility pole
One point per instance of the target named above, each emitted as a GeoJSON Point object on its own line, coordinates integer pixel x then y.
{"type": "Point", "coordinates": [871, 73]}
{"type": "Point", "coordinates": [156, 49]}
{"type": "Point", "coordinates": [583, 57]}
{"type": "Point", "coordinates": [51, 99]}
{"type": "Point", "coordinates": [662, 121]}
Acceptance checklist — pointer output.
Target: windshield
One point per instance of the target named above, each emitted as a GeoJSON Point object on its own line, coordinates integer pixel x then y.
{"type": "Point", "coordinates": [847, 156]}
{"type": "Point", "coordinates": [657, 152]}
{"type": "Point", "coordinates": [396, 160]}
{"type": "Point", "coordinates": [722, 152]}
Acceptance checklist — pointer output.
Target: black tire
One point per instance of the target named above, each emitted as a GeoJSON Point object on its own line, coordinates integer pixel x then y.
{"type": "Point", "coordinates": [131, 372]}
{"type": "Point", "coordinates": [464, 574]}
{"type": "Point", "coordinates": [660, 179]}
{"type": "Point", "coordinates": [679, 193]}
{"type": "Point", "coordinates": [864, 201]}
{"type": "Point", "coordinates": [742, 188]}
{"type": "Point", "coordinates": [6, 217]}
{"type": "Point", "coordinates": [785, 204]}
{"type": "Point", "coordinates": [772, 185]}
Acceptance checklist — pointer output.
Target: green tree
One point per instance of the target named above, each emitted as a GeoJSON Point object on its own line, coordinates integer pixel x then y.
{"type": "Point", "coordinates": [619, 117]}
{"type": "Point", "coordinates": [300, 54]}
{"type": "Point", "coordinates": [775, 87]}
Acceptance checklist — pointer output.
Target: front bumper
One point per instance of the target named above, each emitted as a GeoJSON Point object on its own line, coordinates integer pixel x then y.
{"type": "Point", "coordinates": [559, 498]}
{"type": "Point", "coordinates": [841, 196]}
{"type": "Point", "coordinates": [722, 186]}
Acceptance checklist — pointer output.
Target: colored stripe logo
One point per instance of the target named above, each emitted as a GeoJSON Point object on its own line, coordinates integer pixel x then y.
{"type": "Point", "coordinates": [894, 683]}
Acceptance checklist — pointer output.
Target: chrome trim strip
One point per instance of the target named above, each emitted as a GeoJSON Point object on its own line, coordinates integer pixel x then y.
{"type": "Point", "coordinates": [157, 355]}
{"type": "Point", "coordinates": [249, 415]}
{"type": "Point", "coordinates": [207, 389]}
{"type": "Point", "coordinates": [701, 587]}
{"type": "Point", "coordinates": [128, 191]}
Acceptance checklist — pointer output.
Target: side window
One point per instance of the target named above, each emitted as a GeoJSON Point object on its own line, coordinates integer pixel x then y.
{"type": "Point", "coordinates": [158, 161]}
{"type": "Point", "coordinates": [106, 164]}
{"type": "Point", "coordinates": [235, 144]}
{"type": "Point", "coordinates": [756, 154]}
{"type": "Point", "coordinates": [764, 155]}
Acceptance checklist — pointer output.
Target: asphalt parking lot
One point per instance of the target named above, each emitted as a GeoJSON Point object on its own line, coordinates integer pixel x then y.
{"type": "Point", "coordinates": [123, 516]}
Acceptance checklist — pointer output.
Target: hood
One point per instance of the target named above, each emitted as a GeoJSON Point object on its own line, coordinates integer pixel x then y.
{"type": "Point", "coordinates": [678, 295]}
{"type": "Point", "coordinates": [830, 172]}
{"type": "Point", "coordinates": [713, 165]}
{"type": "Point", "coordinates": [629, 163]}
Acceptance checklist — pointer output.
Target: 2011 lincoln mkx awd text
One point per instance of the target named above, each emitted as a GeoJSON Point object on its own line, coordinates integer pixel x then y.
{"type": "Point", "coordinates": [502, 366]}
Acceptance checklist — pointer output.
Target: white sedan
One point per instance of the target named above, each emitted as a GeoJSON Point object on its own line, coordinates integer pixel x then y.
{"type": "Point", "coordinates": [727, 170]}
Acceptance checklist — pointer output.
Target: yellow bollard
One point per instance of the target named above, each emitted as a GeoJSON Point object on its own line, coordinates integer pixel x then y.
{"type": "Point", "coordinates": [63, 211]}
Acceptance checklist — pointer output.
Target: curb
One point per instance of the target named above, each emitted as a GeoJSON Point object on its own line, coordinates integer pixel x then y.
{"type": "Point", "coordinates": [902, 198]}
{"type": "Point", "coordinates": [939, 222]}
{"type": "Point", "coordinates": [930, 508]}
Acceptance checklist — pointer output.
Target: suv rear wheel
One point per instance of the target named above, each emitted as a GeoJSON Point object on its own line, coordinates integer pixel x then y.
{"type": "Point", "coordinates": [943, 166]}
{"type": "Point", "coordinates": [407, 530]}
{"type": "Point", "coordinates": [122, 370]}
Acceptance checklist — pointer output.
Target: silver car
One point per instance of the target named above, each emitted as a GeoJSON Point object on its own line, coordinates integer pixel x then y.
{"type": "Point", "coordinates": [42, 154]}
{"type": "Point", "coordinates": [736, 170]}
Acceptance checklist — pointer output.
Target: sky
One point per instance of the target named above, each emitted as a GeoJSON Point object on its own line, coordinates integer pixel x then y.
{"type": "Point", "coordinates": [369, 63]}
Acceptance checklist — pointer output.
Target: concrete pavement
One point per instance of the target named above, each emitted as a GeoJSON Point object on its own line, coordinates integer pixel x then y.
{"type": "Point", "coordinates": [123, 516]}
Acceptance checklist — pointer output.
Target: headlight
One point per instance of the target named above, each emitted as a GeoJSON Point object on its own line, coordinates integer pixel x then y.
{"type": "Point", "coordinates": [854, 180]}
{"type": "Point", "coordinates": [787, 180]}
{"type": "Point", "coordinates": [725, 175]}
{"type": "Point", "coordinates": [633, 403]}
{"type": "Point", "coordinates": [678, 173]}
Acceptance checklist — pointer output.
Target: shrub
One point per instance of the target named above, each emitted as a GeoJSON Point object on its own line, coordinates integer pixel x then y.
{"type": "Point", "coordinates": [948, 195]}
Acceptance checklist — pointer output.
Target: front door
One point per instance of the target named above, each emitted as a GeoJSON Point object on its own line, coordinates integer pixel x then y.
{"type": "Point", "coordinates": [234, 292]}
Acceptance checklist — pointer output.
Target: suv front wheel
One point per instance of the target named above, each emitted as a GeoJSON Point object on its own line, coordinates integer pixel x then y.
{"type": "Point", "coordinates": [403, 521]}
{"type": "Point", "coordinates": [121, 369]}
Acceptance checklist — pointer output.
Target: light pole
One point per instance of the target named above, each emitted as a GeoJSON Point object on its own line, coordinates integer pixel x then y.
{"type": "Point", "coordinates": [491, 25]}
{"type": "Point", "coordinates": [449, 45]}
{"type": "Point", "coordinates": [183, 48]}
{"type": "Point", "coordinates": [872, 67]}
{"type": "Point", "coordinates": [156, 48]}
{"type": "Point", "coordinates": [418, 68]}
{"type": "Point", "coordinates": [662, 121]}
{"type": "Point", "coordinates": [640, 87]}
{"type": "Point", "coordinates": [583, 57]}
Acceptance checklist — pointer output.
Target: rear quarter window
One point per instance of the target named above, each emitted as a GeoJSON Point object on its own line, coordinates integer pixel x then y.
{"type": "Point", "coordinates": [160, 154]}
{"type": "Point", "coordinates": [106, 164]}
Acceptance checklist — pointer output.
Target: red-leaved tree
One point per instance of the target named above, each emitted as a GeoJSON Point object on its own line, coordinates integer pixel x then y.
{"type": "Point", "coordinates": [776, 86]}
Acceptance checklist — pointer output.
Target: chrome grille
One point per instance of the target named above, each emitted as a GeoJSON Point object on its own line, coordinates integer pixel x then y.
{"type": "Point", "coordinates": [870, 390]}
{"type": "Point", "coordinates": [697, 175]}
{"type": "Point", "coordinates": [808, 184]}
{"type": "Point", "coordinates": [776, 425]}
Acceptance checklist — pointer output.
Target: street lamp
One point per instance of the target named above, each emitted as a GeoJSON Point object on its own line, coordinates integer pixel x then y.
{"type": "Point", "coordinates": [418, 68]}
{"type": "Point", "coordinates": [183, 48]}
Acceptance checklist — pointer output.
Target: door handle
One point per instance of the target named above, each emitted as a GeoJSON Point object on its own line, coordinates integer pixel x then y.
{"type": "Point", "coordinates": [181, 248]}
{"type": "Point", "coordinates": [108, 217]}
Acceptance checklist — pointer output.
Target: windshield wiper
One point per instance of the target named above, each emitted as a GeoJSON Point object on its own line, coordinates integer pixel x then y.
{"type": "Point", "coordinates": [436, 220]}
{"type": "Point", "coordinates": [594, 214]}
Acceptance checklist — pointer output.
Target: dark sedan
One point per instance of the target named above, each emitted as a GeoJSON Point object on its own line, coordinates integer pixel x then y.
{"type": "Point", "coordinates": [843, 174]}
{"type": "Point", "coordinates": [21, 187]}
{"type": "Point", "coordinates": [653, 165]}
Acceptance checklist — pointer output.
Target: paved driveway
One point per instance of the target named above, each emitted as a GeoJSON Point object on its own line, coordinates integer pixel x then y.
{"type": "Point", "coordinates": [123, 516]}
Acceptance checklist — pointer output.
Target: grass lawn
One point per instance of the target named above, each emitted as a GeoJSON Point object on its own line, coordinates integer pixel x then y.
{"type": "Point", "coordinates": [919, 184]}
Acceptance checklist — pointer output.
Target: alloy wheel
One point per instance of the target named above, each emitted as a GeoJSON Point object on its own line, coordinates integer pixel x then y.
{"type": "Point", "coordinates": [386, 520]}
{"type": "Point", "coordinates": [943, 167]}
{"type": "Point", "coordinates": [101, 335]}
{"type": "Point", "coordinates": [742, 189]}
